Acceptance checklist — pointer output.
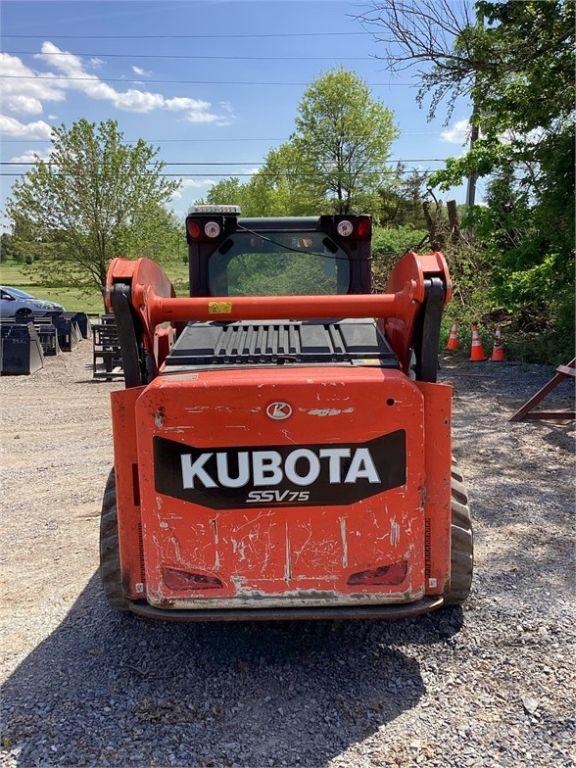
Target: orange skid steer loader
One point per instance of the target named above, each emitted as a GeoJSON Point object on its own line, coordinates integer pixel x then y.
{"type": "Point", "coordinates": [279, 453]}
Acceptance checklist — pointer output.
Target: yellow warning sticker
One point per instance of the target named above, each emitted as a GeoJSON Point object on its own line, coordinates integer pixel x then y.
{"type": "Point", "coordinates": [219, 307]}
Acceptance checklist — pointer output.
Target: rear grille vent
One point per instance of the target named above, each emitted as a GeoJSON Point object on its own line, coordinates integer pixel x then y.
{"type": "Point", "coordinates": [427, 546]}
{"type": "Point", "coordinates": [141, 549]}
{"type": "Point", "coordinates": [280, 342]}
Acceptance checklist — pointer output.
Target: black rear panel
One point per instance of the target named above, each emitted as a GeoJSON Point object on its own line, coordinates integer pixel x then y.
{"type": "Point", "coordinates": [279, 342]}
{"type": "Point", "coordinates": [200, 250]}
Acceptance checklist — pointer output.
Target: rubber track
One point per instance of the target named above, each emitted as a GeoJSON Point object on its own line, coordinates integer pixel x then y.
{"type": "Point", "coordinates": [109, 553]}
{"type": "Point", "coordinates": [462, 564]}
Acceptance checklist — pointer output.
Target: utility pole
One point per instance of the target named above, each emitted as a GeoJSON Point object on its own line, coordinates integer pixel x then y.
{"type": "Point", "coordinates": [474, 135]}
{"type": "Point", "coordinates": [473, 176]}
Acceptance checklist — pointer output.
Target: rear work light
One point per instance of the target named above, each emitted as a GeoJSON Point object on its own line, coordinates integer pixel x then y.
{"type": "Point", "coordinates": [178, 580]}
{"type": "Point", "coordinates": [345, 228]}
{"type": "Point", "coordinates": [212, 229]}
{"type": "Point", "coordinates": [390, 575]}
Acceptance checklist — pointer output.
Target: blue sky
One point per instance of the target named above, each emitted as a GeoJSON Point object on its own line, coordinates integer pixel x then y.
{"type": "Point", "coordinates": [223, 122]}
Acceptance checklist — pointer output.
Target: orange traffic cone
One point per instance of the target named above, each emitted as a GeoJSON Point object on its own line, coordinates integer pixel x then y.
{"type": "Point", "coordinates": [476, 351]}
{"type": "Point", "coordinates": [498, 349]}
{"type": "Point", "coordinates": [453, 338]}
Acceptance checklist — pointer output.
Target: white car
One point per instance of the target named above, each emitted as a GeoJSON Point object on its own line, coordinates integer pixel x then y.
{"type": "Point", "coordinates": [17, 303]}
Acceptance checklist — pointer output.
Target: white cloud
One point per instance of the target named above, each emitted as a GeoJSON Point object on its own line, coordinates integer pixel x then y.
{"type": "Point", "coordinates": [23, 90]}
{"type": "Point", "coordinates": [31, 156]}
{"type": "Point", "coordinates": [140, 71]}
{"type": "Point", "coordinates": [9, 126]}
{"type": "Point", "coordinates": [228, 108]}
{"type": "Point", "coordinates": [457, 133]}
{"type": "Point", "coordinates": [192, 184]}
{"type": "Point", "coordinates": [533, 137]}
{"type": "Point", "coordinates": [132, 100]}
{"type": "Point", "coordinates": [96, 63]}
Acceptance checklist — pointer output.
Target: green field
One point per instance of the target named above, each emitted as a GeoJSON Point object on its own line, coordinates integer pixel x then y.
{"type": "Point", "coordinates": [73, 299]}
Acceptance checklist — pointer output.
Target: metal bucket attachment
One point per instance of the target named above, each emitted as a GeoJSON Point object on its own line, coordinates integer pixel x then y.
{"type": "Point", "coordinates": [69, 333]}
{"type": "Point", "coordinates": [20, 349]}
{"type": "Point", "coordinates": [81, 320]}
{"type": "Point", "coordinates": [48, 336]}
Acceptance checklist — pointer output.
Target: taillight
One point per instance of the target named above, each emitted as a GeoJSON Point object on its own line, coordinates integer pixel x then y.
{"type": "Point", "coordinates": [363, 229]}
{"type": "Point", "coordinates": [194, 229]}
{"type": "Point", "coordinates": [390, 575]}
{"type": "Point", "coordinates": [178, 580]}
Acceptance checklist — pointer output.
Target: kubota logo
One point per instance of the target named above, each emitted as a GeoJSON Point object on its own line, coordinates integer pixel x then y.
{"type": "Point", "coordinates": [321, 474]}
{"type": "Point", "coordinates": [279, 410]}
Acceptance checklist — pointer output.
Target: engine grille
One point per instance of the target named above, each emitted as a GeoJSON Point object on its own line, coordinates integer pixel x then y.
{"type": "Point", "coordinates": [281, 342]}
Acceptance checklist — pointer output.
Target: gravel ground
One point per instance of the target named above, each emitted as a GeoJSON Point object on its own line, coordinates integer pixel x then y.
{"type": "Point", "coordinates": [492, 685]}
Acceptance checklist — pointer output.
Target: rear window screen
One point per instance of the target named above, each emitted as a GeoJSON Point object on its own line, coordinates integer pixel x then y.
{"type": "Point", "coordinates": [294, 263]}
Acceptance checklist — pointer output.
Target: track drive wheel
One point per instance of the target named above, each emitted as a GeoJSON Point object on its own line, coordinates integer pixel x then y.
{"type": "Point", "coordinates": [109, 551]}
{"type": "Point", "coordinates": [462, 543]}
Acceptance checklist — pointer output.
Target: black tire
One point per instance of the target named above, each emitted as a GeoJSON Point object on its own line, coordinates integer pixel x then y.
{"type": "Point", "coordinates": [462, 564]}
{"type": "Point", "coordinates": [110, 574]}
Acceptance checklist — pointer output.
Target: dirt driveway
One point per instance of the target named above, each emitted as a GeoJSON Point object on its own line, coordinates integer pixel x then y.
{"type": "Point", "coordinates": [492, 685]}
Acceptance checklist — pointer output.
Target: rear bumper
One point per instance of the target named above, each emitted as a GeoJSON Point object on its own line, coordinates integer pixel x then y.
{"type": "Point", "coordinates": [390, 612]}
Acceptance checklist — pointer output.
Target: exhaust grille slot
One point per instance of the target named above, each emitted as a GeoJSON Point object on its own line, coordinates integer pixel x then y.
{"type": "Point", "coordinates": [427, 545]}
{"type": "Point", "coordinates": [141, 549]}
{"type": "Point", "coordinates": [215, 344]}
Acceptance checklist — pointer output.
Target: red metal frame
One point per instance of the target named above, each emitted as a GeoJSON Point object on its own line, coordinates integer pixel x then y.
{"type": "Point", "coordinates": [154, 302]}
{"type": "Point", "coordinates": [289, 555]}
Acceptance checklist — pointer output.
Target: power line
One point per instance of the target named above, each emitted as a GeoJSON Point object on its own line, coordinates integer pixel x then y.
{"type": "Point", "coordinates": [227, 175]}
{"type": "Point", "coordinates": [150, 141]}
{"type": "Point", "coordinates": [191, 56]}
{"type": "Point", "coordinates": [49, 77]}
{"type": "Point", "coordinates": [49, 162]}
{"type": "Point", "coordinates": [223, 162]}
{"type": "Point", "coordinates": [187, 37]}
{"type": "Point", "coordinates": [180, 141]}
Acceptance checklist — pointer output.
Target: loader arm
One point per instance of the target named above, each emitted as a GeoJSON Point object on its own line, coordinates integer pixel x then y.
{"type": "Point", "coordinates": [409, 314]}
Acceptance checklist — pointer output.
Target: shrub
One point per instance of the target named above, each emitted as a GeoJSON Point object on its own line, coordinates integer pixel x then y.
{"type": "Point", "coordinates": [388, 245]}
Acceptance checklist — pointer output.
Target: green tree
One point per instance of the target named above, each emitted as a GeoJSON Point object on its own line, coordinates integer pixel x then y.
{"type": "Point", "coordinates": [526, 146]}
{"type": "Point", "coordinates": [156, 233]}
{"type": "Point", "coordinates": [515, 62]}
{"type": "Point", "coordinates": [335, 161]}
{"type": "Point", "coordinates": [229, 191]}
{"type": "Point", "coordinates": [401, 199]}
{"type": "Point", "coordinates": [275, 190]}
{"type": "Point", "coordinates": [280, 188]}
{"type": "Point", "coordinates": [7, 249]}
{"type": "Point", "coordinates": [343, 139]}
{"type": "Point", "coordinates": [92, 201]}
{"type": "Point", "coordinates": [26, 241]}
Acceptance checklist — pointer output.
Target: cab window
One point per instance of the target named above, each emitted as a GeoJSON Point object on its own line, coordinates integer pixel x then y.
{"type": "Point", "coordinates": [278, 264]}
